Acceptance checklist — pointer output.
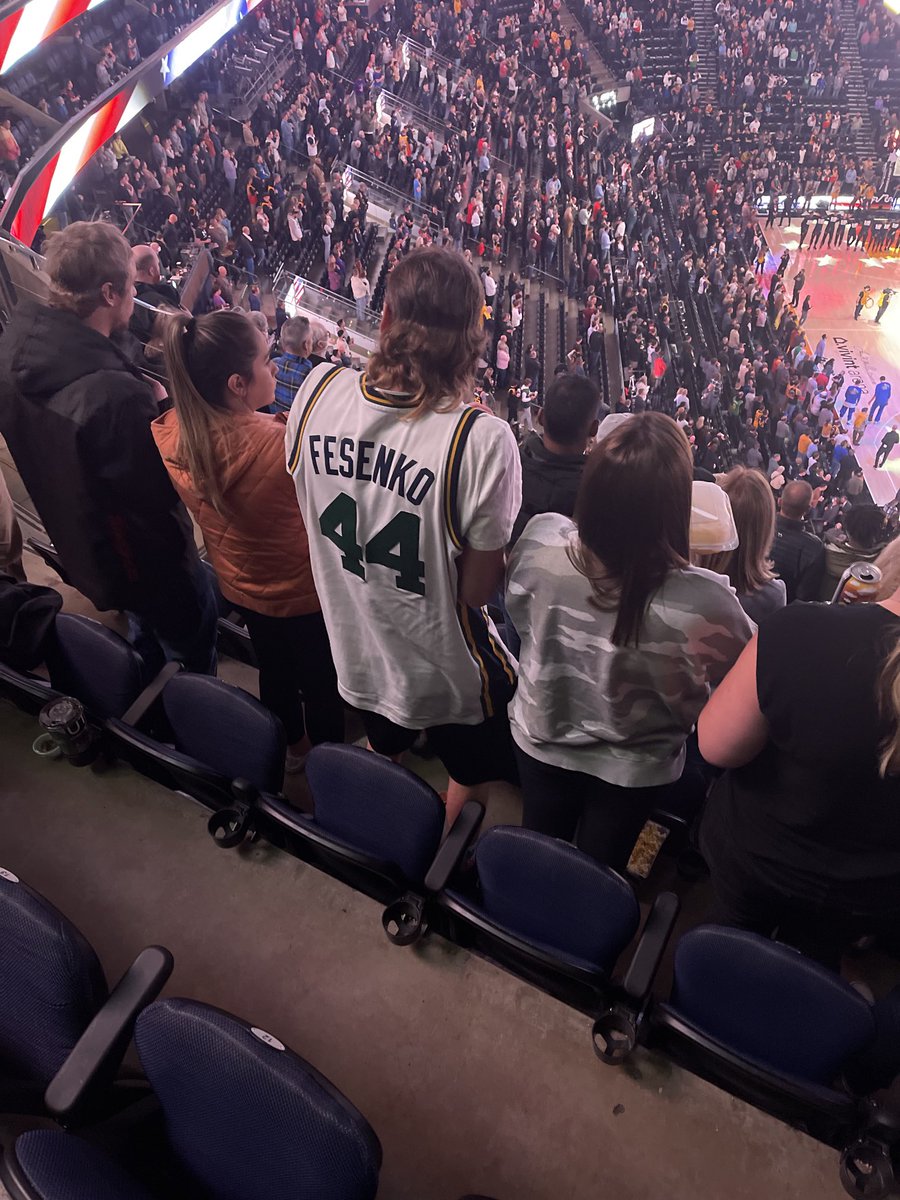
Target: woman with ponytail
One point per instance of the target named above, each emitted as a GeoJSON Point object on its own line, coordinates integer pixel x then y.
{"type": "Point", "coordinates": [802, 834]}
{"type": "Point", "coordinates": [226, 460]}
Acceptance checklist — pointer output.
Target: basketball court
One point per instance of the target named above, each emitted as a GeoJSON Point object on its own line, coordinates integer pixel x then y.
{"type": "Point", "coordinates": [861, 349]}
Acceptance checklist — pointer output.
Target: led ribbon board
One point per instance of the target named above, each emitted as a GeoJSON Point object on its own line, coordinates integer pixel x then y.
{"type": "Point", "coordinates": [25, 26]}
{"type": "Point", "coordinates": [41, 183]}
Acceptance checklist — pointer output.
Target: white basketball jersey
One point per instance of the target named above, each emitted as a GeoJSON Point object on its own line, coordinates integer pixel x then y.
{"type": "Point", "coordinates": [389, 503]}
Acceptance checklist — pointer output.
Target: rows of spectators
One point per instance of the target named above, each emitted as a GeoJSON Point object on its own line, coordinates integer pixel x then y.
{"type": "Point", "coordinates": [80, 63]}
{"type": "Point", "coordinates": [878, 43]}
{"type": "Point", "coordinates": [623, 626]}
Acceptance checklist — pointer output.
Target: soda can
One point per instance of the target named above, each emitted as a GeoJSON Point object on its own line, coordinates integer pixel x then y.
{"type": "Point", "coordinates": [858, 584]}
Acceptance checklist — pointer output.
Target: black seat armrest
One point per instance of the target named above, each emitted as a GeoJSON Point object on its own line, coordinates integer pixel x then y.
{"type": "Point", "coordinates": [462, 833]}
{"type": "Point", "coordinates": [98, 1053]}
{"type": "Point", "coordinates": [151, 693]}
{"type": "Point", "coordinates": [651, 947]}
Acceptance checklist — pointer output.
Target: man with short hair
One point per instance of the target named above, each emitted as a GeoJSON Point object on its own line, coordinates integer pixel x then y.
{"type": "Point", "coordinates": [293, 366]}
{"type": "Point", "coordinates": [852, 395]}
{"type": "Point", "coordinates": [884, 451]}
{"type": "Point", "coordinates": [553, 459]}
{"type": "Point", "coordinates": [798, 556]}
{"type": "Point", "coordinates": [76, 417]}
{"type": "Point", "coordinates": [880, 400]}
{"type": "Point", "coordinates": [150, 288]}
{"type": "Point", "coordinates": [319, 336]}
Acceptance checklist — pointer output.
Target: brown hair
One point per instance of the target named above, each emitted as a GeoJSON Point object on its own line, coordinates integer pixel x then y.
{"type": "Point", "coordinates": [753, 507]}
{"type": "Point", "coordinates": [633, 514]}
{"type": "Point", "coordinates": [81, 259]}
{"type": "Point", "coordinates": [202, 353]}
{"type": "Point", "coordinates": [429, 348]}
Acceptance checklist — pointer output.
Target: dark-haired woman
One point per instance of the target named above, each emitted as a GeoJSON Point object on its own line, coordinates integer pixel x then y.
{"type": "Point", "coordinates": [621, 641]}
{"type": "Point", "coordinates": [226, 460]}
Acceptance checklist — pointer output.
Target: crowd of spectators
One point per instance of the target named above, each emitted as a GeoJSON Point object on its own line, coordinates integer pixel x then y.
{"type": "Point", "coordinates": [878, 43]}
{"type": "Point", "coordinates": [88, 56]}
{"type": "Point", "coordinates": [502, 179]}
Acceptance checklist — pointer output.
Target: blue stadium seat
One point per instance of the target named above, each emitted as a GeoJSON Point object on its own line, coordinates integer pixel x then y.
{"type": "Point", "coordinates": [377, 827]}
{"type": "Point", "coordinates": [778, 1030]}
{"type": "Point", "coordinates": [47, 1164]}
{"type": "Point", "coordinates": [559, 901]}
{"type": "Point", "coordinates": [375, 806]}
{"type": "Point", "coordinates": [216, 734]}
{"type": "Point", "coordinates": [244, 1119]}
{"type": "Point", "coordinates": [51, 990]}
{"type": "Point", "coordinates": [768, 1004]}
{"type": "Point", "coordinates": [94, 664]}
{"type": "Point", "coordinates": [225, 728]}
{"type": "Point", "coordinates": [559, 919]}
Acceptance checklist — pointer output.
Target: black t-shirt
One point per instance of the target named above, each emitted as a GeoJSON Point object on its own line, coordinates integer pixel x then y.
{"type": "Point", "coordinates": [810, 814]}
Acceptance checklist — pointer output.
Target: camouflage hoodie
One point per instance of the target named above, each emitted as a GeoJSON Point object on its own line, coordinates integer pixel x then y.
{"type": "Point", "coordinates": [621, 713]}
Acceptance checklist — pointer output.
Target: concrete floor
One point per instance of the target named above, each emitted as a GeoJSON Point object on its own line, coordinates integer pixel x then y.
{"type": "Point", "coordinates": [472, 1080]}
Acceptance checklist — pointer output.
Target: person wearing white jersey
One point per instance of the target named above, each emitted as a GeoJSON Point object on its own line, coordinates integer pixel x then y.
{"type": "Point", "coordinates": [409, 494]}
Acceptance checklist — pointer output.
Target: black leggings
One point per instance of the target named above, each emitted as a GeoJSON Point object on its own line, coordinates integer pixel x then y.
{"type": "Point", "coordinates": [818, 927]}
{"type": "Point", "coordinates": [294, 656]}
{"type": "Point", "coordinates": [602, 818]}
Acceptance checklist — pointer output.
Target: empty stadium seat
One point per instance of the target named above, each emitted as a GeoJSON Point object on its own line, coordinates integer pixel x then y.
{"type": "Point", "coordinates": [47, 1164]}
{"type": "Point", "coordinates": [558, 918]}
{"type": "Point", "coordinates": [94, 664]}
{"type": "Point", "coordinates": [244, 1117]}
{"type": "Point", "coordinates": [377, 827]}
{"type": "Point", "coordinates": [54, 996]}
{"type": "Point", "coordinates": [777, 1030]}
{"type": "Point", "coordinates": [217, 734]}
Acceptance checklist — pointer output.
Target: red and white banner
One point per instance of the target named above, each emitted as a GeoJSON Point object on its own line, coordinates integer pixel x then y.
{"type": "Point", "coordinates": [24, 30]}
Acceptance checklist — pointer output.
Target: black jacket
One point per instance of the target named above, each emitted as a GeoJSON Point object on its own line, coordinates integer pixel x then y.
{"type": "Point", "coordinates": [142, 319]}
{"type": "Point", "coordinates": [76, 417]}
{"type": "Point", "coordinates": [799, 559]}
{"type": "Point", "coordinates": [549, 482]}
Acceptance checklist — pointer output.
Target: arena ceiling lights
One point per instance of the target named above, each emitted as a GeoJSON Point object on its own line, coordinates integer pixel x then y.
{"type": "Point", "coordinates": [41, 183]}
{"type": "Point", "coordinates": [24, 26]}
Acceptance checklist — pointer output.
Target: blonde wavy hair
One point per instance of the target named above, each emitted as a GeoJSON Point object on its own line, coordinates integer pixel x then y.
{"type": "Point", "coordinates": [748, 567]}
{"type": "Point", "coordinates": [432, 335]}
{"type": "Point", "coordinates": [81, 259]}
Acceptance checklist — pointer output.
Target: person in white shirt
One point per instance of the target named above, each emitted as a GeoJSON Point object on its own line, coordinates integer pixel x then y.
{"type": "Point", "coordinates": [361, 289]}
{"type": "Point", "coordinates": [410, 494]}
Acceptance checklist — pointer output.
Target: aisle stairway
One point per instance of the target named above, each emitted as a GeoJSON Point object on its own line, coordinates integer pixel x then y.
{"type": "Point", "coordinates": [857, 96]}
{"type": "Point", "coordinates": [600, 73]}
{"type": "Point", "coordinates": [705, 24]}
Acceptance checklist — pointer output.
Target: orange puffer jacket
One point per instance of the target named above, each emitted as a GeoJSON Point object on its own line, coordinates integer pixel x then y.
{"type": "Point", "coordinates": [259, 547]}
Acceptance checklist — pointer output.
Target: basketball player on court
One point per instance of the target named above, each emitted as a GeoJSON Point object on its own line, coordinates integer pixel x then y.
{"type": "Point", "coordinates": [409, 494]}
